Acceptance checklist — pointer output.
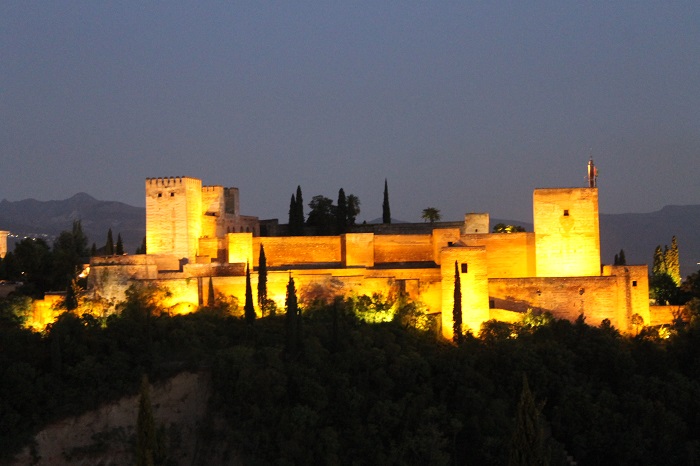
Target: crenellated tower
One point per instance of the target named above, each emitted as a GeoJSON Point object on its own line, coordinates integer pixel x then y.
{"type": "Point", "coordinates": [174, 216]}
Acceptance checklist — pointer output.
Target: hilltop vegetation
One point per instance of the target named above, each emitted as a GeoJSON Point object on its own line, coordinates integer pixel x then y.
{"type": "Point", "coordinates": [360, 393]}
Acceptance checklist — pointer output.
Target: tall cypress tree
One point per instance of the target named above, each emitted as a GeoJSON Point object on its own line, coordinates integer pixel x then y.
{"type": "Point", "coordinates": [341, 213]}
{"type": "Point", "coordinates": [71, 301]}
{"type": "Point", "coordinates": [528, 442]}
{"type": "Point", "coordinates": [120, 245]}
{"type": "Point", "coordinates": [109, 246]}
{"type": "Point", "coordinates": [262, 280]}
{"type": "Point", "coordinates": [386, 210]}
{"type": "Point", "coordinates": [673, 262]}
{"type": "Point", "coordinates": [299, 212]}
{"type": "Point", "coordinates": [291, 344]}
{"type": "Point", "coordinates": [211, 297]}
{"type": "Point", "coordinates": [249, 309]}
{"type": "Point", "coordinates": [292, 216]}
{"type": "Point", "coordinates": [457, 308]}
{"type": "Point", "coordinates": [146, 444]}
{"type": "Point", "coordinates": [659, 265]}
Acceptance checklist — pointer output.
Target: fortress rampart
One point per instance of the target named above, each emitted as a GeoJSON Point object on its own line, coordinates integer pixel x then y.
{"type": "Point", "coordinates": [195, 234]}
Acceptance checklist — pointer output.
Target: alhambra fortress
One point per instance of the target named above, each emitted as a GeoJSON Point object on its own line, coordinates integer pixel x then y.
{"type": "Point", "coordinates": [195, 234]}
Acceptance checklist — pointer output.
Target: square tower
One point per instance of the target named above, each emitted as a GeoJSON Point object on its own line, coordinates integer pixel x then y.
{"type": "Point", "coordinates": [567, 233]}
{"type": "Point", "coordinates": [173, 216]}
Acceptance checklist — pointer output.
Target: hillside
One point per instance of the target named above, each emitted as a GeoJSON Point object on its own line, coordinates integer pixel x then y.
{"type": "Point", "coordinates": [47, 219]}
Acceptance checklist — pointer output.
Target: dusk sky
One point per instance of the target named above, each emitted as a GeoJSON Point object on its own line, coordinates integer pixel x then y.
{"type": "Point", "coordinates": [463, 106]}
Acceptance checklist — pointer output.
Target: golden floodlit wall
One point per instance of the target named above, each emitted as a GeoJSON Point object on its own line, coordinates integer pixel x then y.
{"type": "Point", "coordinates": [567, 238]}
{"type": "Point", "coordinates": [3, 243]}
{"type": "Point", "coordinates": [299, 250]}
{"type": "Point", "coordinates": [471, 264]}
{"type": "Point", "coordinates": [357, 249]}
{"type": "Point", "coordinates": [173, 216]}
{"type": "Point", "coordinates": [403, 248]}
{"type": "Point", "coordinates": [441, 238]}
{"type": "Point", "coordinates": [508, 255]}
{"type": "Point", "coordinates": [597, 298]}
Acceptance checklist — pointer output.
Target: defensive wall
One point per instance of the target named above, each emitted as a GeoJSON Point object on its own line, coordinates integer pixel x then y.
{"type": "Point", "coordinates": [192, 239]}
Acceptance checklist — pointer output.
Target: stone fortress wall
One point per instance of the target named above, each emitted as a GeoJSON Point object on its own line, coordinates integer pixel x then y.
{"type": "Point", "coordinates": [195, 233]}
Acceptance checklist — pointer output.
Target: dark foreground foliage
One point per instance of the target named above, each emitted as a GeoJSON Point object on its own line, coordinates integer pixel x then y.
{"type": "Point", "coordinates": [358, 393]}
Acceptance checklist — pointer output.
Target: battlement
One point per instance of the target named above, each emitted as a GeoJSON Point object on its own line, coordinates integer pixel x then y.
{"type": "Point", "coordinates": [212, 189]}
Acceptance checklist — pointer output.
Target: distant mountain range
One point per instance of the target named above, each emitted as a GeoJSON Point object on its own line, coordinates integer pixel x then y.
{"type": "Point", "coordinates": [48, 219]}
{"type": "Point", "coordinates": [637, 234]}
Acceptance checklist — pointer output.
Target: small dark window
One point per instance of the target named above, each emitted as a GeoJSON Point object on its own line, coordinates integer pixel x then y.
{"type": "Point", "coordinates": [160, 194]}
{"type": "Point", "coordinates": [464, 267]}
{"type": "Point", "coordinates": [566, 212]}
{"type": "Point", "coordinates": [449, 243]}
{"type": "Point", "coordinates": [476, 230]}
{"type": "Point", "coordinates": [492, 304]}
{"type": "Point", "coordinates": [172, 194]}
{"type": "Point", "coordinates": [634, 282]}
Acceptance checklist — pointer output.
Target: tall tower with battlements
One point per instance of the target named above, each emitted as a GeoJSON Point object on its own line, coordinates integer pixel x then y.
{"type": "Point", "coordinates": [567, 232]}
{"type": "Point", "coordinates": [174, 216]}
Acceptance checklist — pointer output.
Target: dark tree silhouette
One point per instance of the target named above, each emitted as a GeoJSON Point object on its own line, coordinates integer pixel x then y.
{"type": "Point", "coordinates": [109, 246]}
{"type": "Point", "coordinates": [249, 309]}
{"type": "Point", "coordinates": [386, 210]}
{"type": "Point", "coordinates": [457, 308]}
{"type": "Point", "coordinates": [262, 280]}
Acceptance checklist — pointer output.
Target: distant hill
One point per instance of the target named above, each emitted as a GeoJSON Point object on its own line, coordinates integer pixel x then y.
{"type": "Point", "coordinates": [48, 219]}
{"type": "Point", "coordinates": [637, 234]}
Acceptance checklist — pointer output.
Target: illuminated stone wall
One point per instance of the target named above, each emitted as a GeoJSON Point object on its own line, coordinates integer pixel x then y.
{"type": "Point", "coordinates": [508, 255]}
{"type": "Point", "coordinates": [471, 263]}
{"type": "Point", "coordinates": [3, 243]}
{"type": "Point", "coordinates": [567, 236]}
{"type": "Point", "coordinates": [173, 216]}
{"type": "Point", "coordinates": [403, 248]}
{"type": "Point", "coordinates": [613, 297]}
{"type": "Point", "coordinates": [298, 250]}
{"type": "Point", "coordinates": [476, 223]}
{"type": "Point", "coordinates": [357, 249]}
{"type": "Point", "coordinates": [442, 238]}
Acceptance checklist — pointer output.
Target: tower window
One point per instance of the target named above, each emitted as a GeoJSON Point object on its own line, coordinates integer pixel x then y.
{"type": "Point", "coordinates": [172, 194]}
{"type": "Point", "coordinates": [160, 194]}
{"type": "Point", "coordinates": [566, 212]}
{"type": "Point", "coordinates": [492, 304]}
{"type": "Point", "coordinates": [634, 282]}
{"type": "Point", "coordinates": [464, 267]}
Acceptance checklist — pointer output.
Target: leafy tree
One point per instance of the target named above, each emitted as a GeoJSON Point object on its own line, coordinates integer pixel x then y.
{"type": "Point", "coordinates": [120, 245]}
{"type": "Point", "coordinates": [248, 309]}
{"type": "Point", "coordinates": [109, 246]}
{"type": "Point", "coordinates": [31, 263]}
{"type": "Point", "coordinates": [431, 214]}
{"type": "Point", "coordinates": [353, 209]}
{"type": "Point", "coordinates": [146, 444]}
{"type": "Point", "coordinates": [262, 280]}
{"type": "Point", "coordinates": [528, 443]}
{"type": "Point", "coordinates": [386, 210]}
{"type": "Point", "coordinates": [341, 213]}
{"type": "Point", "coordinates": [503, 228]}
{"type": "Point", "coordinates": [322, 215]}
{"type": "Point", "coordinates": [664, 290]}
{"type": "Point", "coordinates": [457, 308]}
{"type": "Point", "coordinates": [69, 252]}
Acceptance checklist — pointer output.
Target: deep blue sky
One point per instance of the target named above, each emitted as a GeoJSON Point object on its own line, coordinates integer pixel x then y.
{"type": "Point", "coordinates": [464, 106]}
